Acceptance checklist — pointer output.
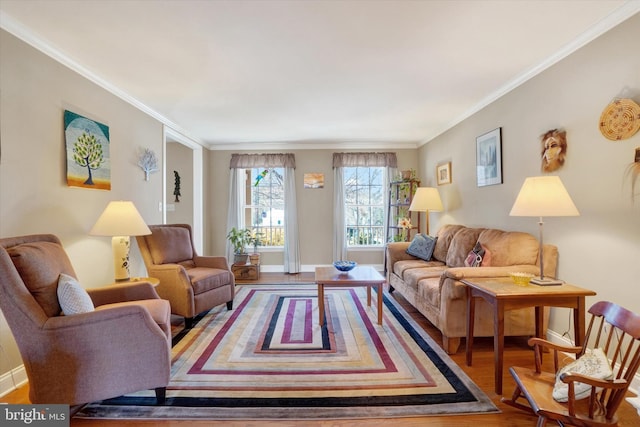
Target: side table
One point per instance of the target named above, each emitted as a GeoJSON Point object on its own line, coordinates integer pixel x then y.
{"type": "Point", "coordinates": [503, 295]}
{"type": "Point", "coordinates": [153, 280]}
{"type": "Point", "coordinates": [246, 271]}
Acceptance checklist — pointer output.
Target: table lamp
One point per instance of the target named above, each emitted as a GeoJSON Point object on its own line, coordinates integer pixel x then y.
{"type": "Point", "coordinates": [120, 220]}
{"type": "Point", "coordinates": [543, 196]}
{"type": "Point", "coordinates": [425, 200]}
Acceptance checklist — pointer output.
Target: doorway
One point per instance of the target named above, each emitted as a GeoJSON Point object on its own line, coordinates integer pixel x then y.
{"type": "Point", "coordinates": [182, 183]}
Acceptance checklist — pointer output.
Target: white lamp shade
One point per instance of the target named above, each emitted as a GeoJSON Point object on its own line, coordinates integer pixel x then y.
{"type": "Point", "coordinates": [543, 196]}
{"type": "Point", "coordinates": [120, 218]}
{"type": "Point", "coordinates": [426, 199]}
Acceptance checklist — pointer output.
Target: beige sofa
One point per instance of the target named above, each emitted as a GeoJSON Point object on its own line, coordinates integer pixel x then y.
{"type": "Point", "coordinates": [434, 288]}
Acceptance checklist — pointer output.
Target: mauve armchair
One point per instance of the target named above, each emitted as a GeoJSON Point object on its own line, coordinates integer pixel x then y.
{"type": "Point", "coordinates": [122, 346]}
{"type": "Point", "coordinates": [192, 283]}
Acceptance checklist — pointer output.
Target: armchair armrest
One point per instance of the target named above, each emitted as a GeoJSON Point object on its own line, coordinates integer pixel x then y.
{"type": "Point", "coordinates": [122, 315]}
{"type": "Point", "coordinates": [219, 262]}
{"type": "Point", "coordinates": [122, 292]}
{"type": "Point", "coordinates": [396, 251]}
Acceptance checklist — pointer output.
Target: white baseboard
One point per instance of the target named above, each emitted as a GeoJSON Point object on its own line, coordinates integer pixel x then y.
{"type": "Point", "coordinates": [13, 379]}
{"type": "Point", "coordinates": [557, 338]}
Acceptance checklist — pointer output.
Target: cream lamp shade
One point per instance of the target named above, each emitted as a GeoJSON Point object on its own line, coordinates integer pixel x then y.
{"type": "Point", "coordinates": [543, 196]}
{"type": "Point", "coordinates": [426, 199]}
{"type": "Point", "coordinates": [120, 220]}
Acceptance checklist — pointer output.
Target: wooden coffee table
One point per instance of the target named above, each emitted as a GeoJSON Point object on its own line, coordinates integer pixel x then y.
{"type": "Point", "coordinates": [360, 276]}
{"type": "Point", "coordinates": [503, 295]}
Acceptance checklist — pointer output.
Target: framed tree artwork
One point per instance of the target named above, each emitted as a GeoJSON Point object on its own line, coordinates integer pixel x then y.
{"type": "Point", "coordinates": [489, 158]}
{"type": "Point", "coordinates": [87, 147]}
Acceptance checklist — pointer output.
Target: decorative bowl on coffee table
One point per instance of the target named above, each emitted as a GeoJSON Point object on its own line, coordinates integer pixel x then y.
{"type": "Point", "coordinates": [345, 266]}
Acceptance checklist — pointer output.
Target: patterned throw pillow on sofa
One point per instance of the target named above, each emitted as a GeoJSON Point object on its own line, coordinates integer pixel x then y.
{"type": "Point", "coordinates": [422, 246]}
{"type": "Point", "coordinates": [474, 258]}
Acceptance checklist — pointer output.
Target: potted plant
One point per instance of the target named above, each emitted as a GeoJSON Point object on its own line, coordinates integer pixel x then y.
{"type": "Point", "coordinates": [255, 240]}
{"type": "Point", "coordinates": [408, 174]}
{"type": "Point", "coordinates": [239, 239]}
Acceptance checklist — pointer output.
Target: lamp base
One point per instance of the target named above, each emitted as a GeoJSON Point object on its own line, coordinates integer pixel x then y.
{"type": "Point", "coordinates": [543, 281]}
{"type": "Point", "coordinates": [120, 246]}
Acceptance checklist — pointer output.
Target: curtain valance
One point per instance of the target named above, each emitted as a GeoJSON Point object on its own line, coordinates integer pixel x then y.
{"type": "Point", "coordinates": [341, 160]}
{"type": "Point", "coordinates": [247, 161]}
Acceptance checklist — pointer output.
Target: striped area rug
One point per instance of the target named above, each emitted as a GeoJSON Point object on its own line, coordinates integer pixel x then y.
{"type": "Point", "coordinates": [270, 359]}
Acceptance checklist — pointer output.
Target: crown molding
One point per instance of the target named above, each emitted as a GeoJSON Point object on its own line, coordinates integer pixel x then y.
{"type": "Point", "coordinates": [313, 145]}
{"type": "Point", "coordinates": [615, 18]}
{"type": "Point", "coordinates": [11, 25]}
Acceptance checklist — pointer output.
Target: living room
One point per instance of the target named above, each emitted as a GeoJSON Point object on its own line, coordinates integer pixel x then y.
{"type": "Point", "coordinates": [599, 250]}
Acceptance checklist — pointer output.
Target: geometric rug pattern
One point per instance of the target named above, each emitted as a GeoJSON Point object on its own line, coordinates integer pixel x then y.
{"type": "Point", "coordinates": [268, 358]}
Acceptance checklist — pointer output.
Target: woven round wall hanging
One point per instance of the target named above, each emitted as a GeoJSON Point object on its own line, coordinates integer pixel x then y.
{"type": "Point", "coordinates": [620, 119]}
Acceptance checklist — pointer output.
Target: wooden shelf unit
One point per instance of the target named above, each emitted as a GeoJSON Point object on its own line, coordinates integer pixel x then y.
{"type": "Point", "coordinates": [400, 196]}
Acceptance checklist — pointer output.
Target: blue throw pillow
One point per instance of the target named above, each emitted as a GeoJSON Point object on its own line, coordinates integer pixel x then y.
{"type": "Point", "coordinates": [422, 246]}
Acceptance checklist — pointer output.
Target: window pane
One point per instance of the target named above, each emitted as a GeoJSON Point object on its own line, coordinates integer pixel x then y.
{"type": "Point", "coordinates": [265, 194]}
{"type": "Point", "coordinates": [363, 195]}
{"type": "Point", "coordinates": [364, 210]}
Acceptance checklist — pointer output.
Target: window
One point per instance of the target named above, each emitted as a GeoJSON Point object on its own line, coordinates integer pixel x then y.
{"type": "Point", "coordinates": [364, 206]}
{"type": "Point", "coordinates": [264, 207]}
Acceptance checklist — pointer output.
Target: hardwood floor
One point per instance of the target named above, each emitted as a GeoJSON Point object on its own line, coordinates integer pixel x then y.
{"type": "Point", "coordinates": [516, 353]}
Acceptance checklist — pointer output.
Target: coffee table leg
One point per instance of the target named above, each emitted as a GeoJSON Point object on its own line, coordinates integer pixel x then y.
{"type": "Point", "coordinates": [321, 303]}
{"type": "Point", "coordinates": [368, 295]}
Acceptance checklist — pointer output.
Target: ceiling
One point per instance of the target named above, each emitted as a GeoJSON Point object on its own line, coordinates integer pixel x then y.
{"type": "Point", "coordinates": [268, 74]}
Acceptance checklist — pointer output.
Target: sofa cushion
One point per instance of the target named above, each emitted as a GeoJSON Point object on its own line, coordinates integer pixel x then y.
{"type": "Point", "coordinates": [39, 265]}
{"type": "Point", "coordinates": [422, 246]}
{"type": "Point", "coordinates": [445, 236]}
{"type": "Point", "coordinates": [510, 247]}
{"type": "Point", "coordinates": [429, 290]}
{"type": "Point", "coordinates": [462, 243]}
{"type": "Point", "coordinates": [413, 275]}
{"type": "Point", "coordinates": [169, 245]}
{"type": "Point", "coordinates": [205, 279]}
{"type": "Point", "coordinates": [400, 267]}
{"type": "Point", "coordinates": [486, 258]}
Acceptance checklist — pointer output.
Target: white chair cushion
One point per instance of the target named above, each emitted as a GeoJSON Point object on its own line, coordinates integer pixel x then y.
{"type": "Point", "coordinates": [593, 363]}
{"type": "Point", "coordinates": [72, 297]}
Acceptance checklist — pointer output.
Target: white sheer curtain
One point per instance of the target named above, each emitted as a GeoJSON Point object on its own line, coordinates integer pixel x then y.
{"type": "Point", "coordinates": [339, 236]}
{"type": "Point", "coordinates": [235, 216]}
{"type": "Point", "coordinates": [291, 245]}
{"type": "Point", "coordinates": [235, 213]}
{"type": "Point", "coordinates": [341, 160]}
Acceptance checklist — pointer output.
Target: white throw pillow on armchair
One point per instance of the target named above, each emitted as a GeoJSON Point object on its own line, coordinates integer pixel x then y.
{"type": "Point", "coordinates": [72, 297]}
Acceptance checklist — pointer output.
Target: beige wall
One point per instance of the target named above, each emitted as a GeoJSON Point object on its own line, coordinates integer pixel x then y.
{"type": "Point", "coordinates": [180, 159]}
{"type": "Point", "coordinates": [34, 197]}
{"type": "Point", "coordinates": [600, 249]}
{"type": "Point", "coordinates": [315, 208]}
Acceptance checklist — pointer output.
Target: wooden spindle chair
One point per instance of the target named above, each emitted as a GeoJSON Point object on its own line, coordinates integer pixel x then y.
{"type": "Point", "coordinates": [613, 329]}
